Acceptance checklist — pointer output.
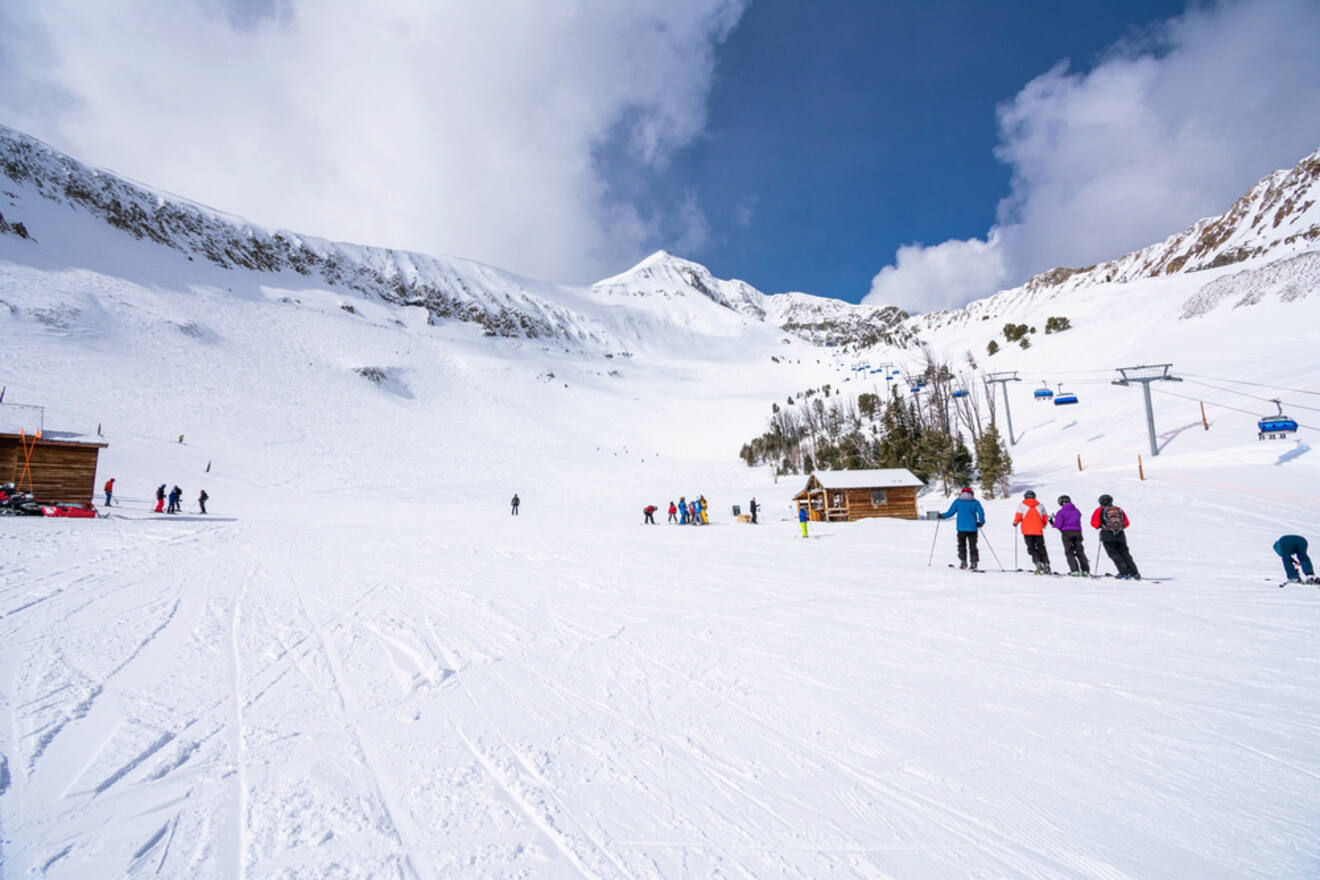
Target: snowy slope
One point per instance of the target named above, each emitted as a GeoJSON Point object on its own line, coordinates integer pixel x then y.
{"type": "Point", "coordinates": [360, 665]}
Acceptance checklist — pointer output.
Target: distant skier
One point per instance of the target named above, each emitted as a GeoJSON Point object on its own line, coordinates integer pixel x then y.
{"type": "Point", "coordinates": [1068, 520]}
{"type": "Point", "coordinates": [802, 518]}
{"type": "Point", "coordinates": [673, 513]}
{"type": "Point", "coordinates": [1112, 523]}
{"type": "Point", "coordinates": [109, 491]}
{"type": "Point", "coordinates": [682, 510]}
{"type": "Point", "coordinates": [701, 509]}
{"type": "Point", "coordinates": [515, 502]}
{"type": "Point", "coordinates": [1292, 547]}
{"type": "Point", "coordinates": [692, 513]}
{"type": "Point", "coordinates": [160, 498]}
{"type": "Point", "coordinates": [753, 507]}
{"type": "Point", "coordinates": [970, 517]}
{"type": "Point", "coordinates": [202, 499]}
{"type": "Point", "coordinates": [649, 512]}
{"type": "Point", "coordinates": [1033, 518]}
{"type": "Point", "coordinates": [176, 496]}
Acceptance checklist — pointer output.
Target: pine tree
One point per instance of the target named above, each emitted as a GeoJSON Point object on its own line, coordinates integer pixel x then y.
{"type": "Point", "coordinates": [960, 463]}
{"type": "Point", "coordinates": [992, 461]}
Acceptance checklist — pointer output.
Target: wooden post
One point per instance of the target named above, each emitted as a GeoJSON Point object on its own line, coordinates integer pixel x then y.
{"type": "Point", "coordinates": [1079, 461]}
{"type": "Point", "coordinates": [1141, 472]}
{"type": "Point", "coordinates": [1204, 423]}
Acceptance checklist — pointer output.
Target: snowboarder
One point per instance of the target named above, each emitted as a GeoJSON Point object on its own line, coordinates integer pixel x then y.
{"type": "Point", "coordinates": [1112, 523]}
{"type": "Point", "coordinates": [515, 502]}
{"type": "Point", "coordinates": [160, 498]}
{"type": "Point", "coordinates": [202, 499]}
{"type": "Point", "coordinates": [1068, 520]}
{"type": "Point", "coordinates": [673, 513]}
{"type": "Point", "coordinates": [1290, 547]}
{"type": "Point", "coordinates": [649, 512]}
{"type": "Point", "coordinates": [753, 507]}
{"type": "Point", "coordinates": [682, 510]}
{"type": "Point", "coordinates": [109, 490]}
{"type": "Point", "coordinates": [970, 517]}
{"type": "Point", "coordinates": [802, 518]}
{"type": "Point", "coordinates": [1033, 518]}
{"type": "Point", "coordinates": [176, 496]}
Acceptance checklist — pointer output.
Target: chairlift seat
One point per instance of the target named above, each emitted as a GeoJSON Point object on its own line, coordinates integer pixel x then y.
{"type": "Point", "coordinates": [1064, 399]}
{"type": "Point", "coordinates": [1045, 394]}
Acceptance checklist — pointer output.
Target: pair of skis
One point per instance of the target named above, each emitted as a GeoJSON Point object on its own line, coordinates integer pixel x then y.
{"type": "Point", "coordinates": [1094, 577]}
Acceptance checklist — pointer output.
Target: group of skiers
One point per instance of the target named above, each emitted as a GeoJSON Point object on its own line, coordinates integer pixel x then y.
{"type": "Point", "coordinates": [684, 513]}
{"type": "Point", "coordinates": [175, 498]}
{"type": "Point", "coordinates": [1032, 519]}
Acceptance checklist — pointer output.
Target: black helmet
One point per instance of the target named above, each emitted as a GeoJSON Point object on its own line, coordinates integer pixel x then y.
{"type": "Point", "coordinates": [1030, 493]}
{"type": "Point", "coordinates": [1106, 500]}
{"type": "Point", "coordinates": [1064, 499]}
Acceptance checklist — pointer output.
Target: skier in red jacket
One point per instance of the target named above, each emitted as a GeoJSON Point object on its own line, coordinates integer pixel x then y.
{"type": "Point", "coordinates": [1112, 522]}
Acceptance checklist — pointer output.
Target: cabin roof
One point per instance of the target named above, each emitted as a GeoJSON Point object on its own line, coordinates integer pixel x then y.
{"type": "Point", "coordinates": [57, 438]}
{"type": "Point", "coordinates": [878, 478]}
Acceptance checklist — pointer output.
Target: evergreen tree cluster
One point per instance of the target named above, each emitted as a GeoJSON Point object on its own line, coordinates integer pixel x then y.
{"type": "Point", "coordinates": [923, 433]}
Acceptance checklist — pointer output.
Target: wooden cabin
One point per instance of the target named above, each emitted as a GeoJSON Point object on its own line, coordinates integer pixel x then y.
{"type": "Point", "coordinates": [59, 471]}
{"type": "Point", "coordinates": [846, 496]}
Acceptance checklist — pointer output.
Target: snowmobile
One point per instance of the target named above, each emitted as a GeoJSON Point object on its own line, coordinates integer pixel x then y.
{"type": "Point", "coordinates": [20, 504]}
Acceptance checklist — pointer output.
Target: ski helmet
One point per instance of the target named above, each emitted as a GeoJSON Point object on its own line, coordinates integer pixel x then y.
{"type": "Point", "coordinates": [1106, 500]}
{"type": "Point", "coordinates": [967, 490]}
{"type": "Point", "coordinates": [1030, 493]}
{"type": "Point", "coordinates": [1064, 499]}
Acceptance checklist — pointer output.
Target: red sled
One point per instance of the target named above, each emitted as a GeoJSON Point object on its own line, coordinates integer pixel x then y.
{"type": "Point", "coordinates": [68, 510]}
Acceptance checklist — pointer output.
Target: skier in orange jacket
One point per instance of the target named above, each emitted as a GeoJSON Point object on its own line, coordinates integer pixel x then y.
{"type": "Point", "coordinates": [1033, 518]}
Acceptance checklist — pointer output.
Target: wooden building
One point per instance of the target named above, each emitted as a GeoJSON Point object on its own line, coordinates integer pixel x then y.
{"type": "Point", "coordinates": [60, 471]}
{"type": "Point", "coordinates": [845, 496]}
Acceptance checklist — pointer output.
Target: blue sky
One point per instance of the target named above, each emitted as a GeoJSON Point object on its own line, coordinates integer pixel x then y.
{"type": "Point", "coordinates": [916, 153]}
{"type": "Point", "coordinates": [847, 128]}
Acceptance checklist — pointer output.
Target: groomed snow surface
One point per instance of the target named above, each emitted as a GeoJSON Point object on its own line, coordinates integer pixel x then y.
{"type": "Point", "coordinates": [360, 665]}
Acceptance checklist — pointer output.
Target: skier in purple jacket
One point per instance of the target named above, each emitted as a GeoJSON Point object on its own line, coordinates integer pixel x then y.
{"type": "Point", "coordinates": [1068, 520]}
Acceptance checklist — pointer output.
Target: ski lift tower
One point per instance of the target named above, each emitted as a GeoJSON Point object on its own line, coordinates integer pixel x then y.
{"type": "Point", "coordinates": [1145, 374]}
{"type": "Point", "coordinates": [1003, 379]}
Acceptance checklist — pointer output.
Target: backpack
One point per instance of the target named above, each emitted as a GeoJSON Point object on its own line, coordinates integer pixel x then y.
{"type": "Point", "coordinates": [1111, 518]}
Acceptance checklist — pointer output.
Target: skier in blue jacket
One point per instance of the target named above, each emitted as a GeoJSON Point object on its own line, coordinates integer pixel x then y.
{"type": "Point", "coordinates": [971, 516]}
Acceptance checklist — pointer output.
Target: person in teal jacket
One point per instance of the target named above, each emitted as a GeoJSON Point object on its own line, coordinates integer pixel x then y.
{"type": "Point", "coordinates": [1290, 547]}
{"type": "Point", "coordinates": [970, 517]}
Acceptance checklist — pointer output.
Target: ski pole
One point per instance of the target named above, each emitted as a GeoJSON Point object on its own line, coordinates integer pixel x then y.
{"type": "Point", "coordinates": [1095, 572]}
{"type": "Point", "coordinates": [992, 551]}
{"type": "Point", "coordinates": [933, 540]}
{"type": "Point", "coordinates": [1015, 564]}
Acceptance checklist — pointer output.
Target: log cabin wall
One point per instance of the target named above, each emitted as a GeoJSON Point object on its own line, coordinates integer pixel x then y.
{"type": "Point", "coordinates": [900, 502]}
{"type": "Point", "coordinates": [60, 472]}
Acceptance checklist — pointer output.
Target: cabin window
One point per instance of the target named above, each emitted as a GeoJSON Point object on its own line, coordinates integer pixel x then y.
{"type": "Point", "coordinates": [878, 498]}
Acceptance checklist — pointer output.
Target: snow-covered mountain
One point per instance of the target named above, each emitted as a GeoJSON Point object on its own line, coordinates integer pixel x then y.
{"type": "Point", "coordinates": [661, 290]}
{"type": "Point", "coordinates": [358, 664]}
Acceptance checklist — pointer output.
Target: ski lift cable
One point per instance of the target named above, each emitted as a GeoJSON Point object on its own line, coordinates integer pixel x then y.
{"type": "Point", "coordinates": [1222, 406]}
{"type": "Point", "coordinates": [1257, 384]}
{"type": "Point", "coordinates": [1255, 396]}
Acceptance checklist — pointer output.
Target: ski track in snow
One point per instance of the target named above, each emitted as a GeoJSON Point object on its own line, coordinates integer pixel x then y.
{"type": "Point", "coordinates": [363, 667]}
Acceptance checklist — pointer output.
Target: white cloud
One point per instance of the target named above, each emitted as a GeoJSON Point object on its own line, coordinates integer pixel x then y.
{"type": "Point", "coordinates": [943, 276]}
{"type": "Point", "coordinates": [463, 128]}
{"type": "Point", "coordinates": [1161, 132]}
